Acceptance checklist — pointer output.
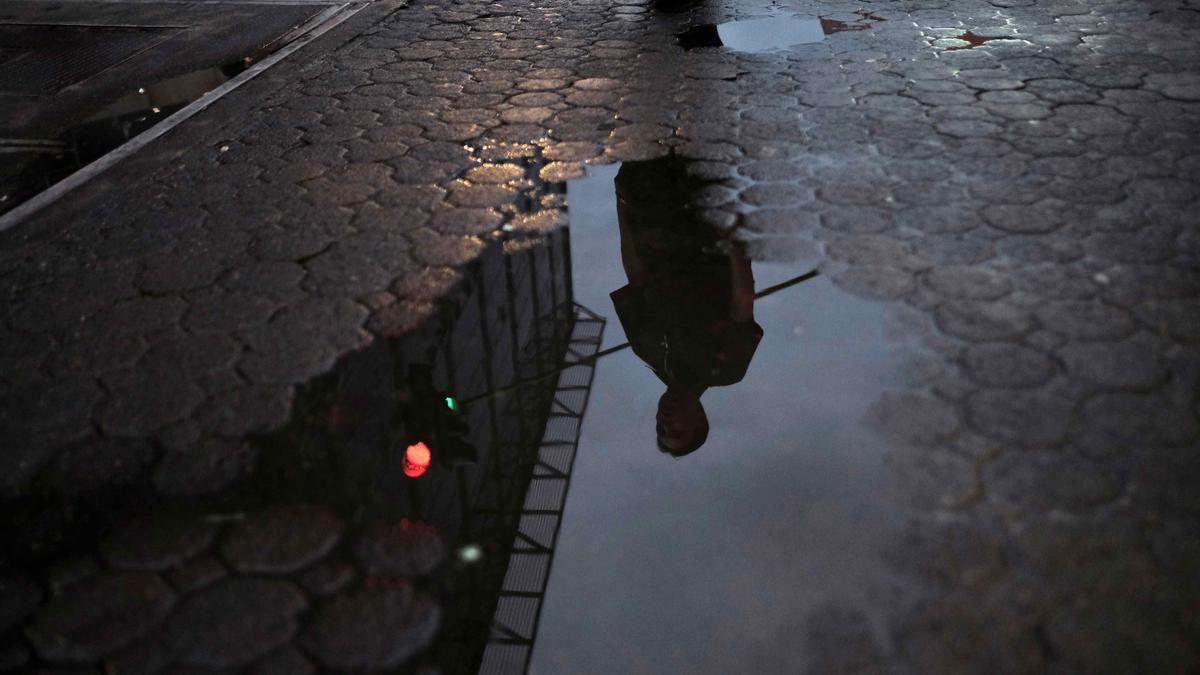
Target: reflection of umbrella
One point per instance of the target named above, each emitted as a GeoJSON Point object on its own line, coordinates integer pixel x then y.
{"type": "Point", "coordinates": [625, 345]}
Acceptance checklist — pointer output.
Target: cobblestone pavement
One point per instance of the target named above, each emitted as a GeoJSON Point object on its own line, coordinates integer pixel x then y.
{"type": "Point", "coordinates": [1025, 198]}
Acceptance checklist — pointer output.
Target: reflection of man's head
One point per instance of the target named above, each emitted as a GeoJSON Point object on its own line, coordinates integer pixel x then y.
{"type": "Point", "coordinates": [681, 425]}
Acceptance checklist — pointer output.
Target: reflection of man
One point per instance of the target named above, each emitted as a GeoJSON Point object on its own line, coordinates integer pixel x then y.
{"type": "Point", "coordinates": [688, 309]}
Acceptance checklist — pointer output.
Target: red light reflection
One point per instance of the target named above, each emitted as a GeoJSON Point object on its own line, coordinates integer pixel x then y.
{"type": "Point", "coordinates": [416, 459]}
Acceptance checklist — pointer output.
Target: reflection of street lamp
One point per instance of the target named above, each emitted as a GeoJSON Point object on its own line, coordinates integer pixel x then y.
{"type": "Point", "coordinates": [416, 459]}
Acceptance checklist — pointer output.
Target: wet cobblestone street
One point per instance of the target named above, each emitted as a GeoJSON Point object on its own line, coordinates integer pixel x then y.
{"type": "Point", "coordinates": [1016, 182]}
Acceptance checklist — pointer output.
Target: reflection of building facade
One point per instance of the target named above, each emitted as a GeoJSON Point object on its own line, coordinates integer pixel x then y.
{"type": "Point", "coordinates": [352, 563]}
{"type": "Point", "coordinates": [497, 358]}
{"type": "Point", "coordinates": [538, 514]}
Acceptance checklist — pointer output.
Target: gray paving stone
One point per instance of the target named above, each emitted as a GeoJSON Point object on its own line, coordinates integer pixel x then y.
{"type": "Point", "coordinates": [233, 622]}
{"type": "Point", "coordinates": [938, 219]}
{"type": "Point", "coordinates": [1086, 320]}
{"type": "Point", "coordinates": [158, 541]}
{"type": "Point", "coordinates": [1123, 365]}
{"type": "Point", "coordinates": [371, 629]}
{"type": "Point", "coordinates": [1038, 219]}
{"type": "Point", "coordinates": [858, 219]}
{"type": "Point", "coordinates": [281, 540]}
{"type": "Point", "coordinates": [100, 616]}
{"type": "Point", "coordinates": [968, 282]}
{"type": "Point", "coordinates": [1023, 419]}
{"type": "Point", "coordinates": [1039, 250]}
{"type": "Point", "coordinates": [1151, 245]}
{"type": "Point", "coordinates": [1183, 86]}
{"type": "Point", "coordinates": [1175, 318]}
{"type": "Point", "coordinates": [142, 401]}
{"type": "Point", "coordinates": [1041, 483]}
{"type": "Point", "coordinates": [96, 465]}
{"type": "Point", "coordinates": [950, 554]}
{"type": "Point", "coordinates": [982, 321]}
{"type": "Point", "coordinates": [1006, 365]}
{"type": "Point", "coordinates": [196, 573]}
{"type": "Point", "coordinates": [1055, 282]}
{"type": "Point", "coordinates": [328, 577]}
{"type": "Point", "coordinates": [915, 419]}
{"type": "Point", "coordinates": [203, 467]}
{"type": "Point", "coordinates": [245, 410]}
{"type": "Point", "coordinates": [400, 548]}
{"type": "Point", "coordinates": [875, 251]}
{"type": "Point", "coordinates": [876, 282]}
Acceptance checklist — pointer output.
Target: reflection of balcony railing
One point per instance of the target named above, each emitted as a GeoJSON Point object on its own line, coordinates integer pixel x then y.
{"type": "Point", "coordinates": [514, 626]}
{"type": "Point", "coordinates": [507, 359]}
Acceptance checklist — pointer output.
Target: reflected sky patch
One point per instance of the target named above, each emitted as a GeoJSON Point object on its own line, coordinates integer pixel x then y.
{"type": "Point", "coordinates": [715, 562]}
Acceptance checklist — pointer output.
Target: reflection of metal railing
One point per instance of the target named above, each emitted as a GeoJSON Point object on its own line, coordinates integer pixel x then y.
{"type": "Point", "coordinates": [515, 623]}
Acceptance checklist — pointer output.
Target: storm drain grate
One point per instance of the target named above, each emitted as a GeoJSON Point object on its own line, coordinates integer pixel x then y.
{"type": "Point", "coordinates": [42, 60]}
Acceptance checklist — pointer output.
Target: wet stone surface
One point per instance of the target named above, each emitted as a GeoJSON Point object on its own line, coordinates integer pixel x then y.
{"type": "Point", "coordinates": [1014, 183]}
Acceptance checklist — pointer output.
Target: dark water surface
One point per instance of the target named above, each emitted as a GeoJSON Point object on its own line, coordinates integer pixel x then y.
{"type": "Point", "coordinates": [714, 561]}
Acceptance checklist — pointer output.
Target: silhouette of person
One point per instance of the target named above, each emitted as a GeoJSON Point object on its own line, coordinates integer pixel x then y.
{"type": "Point", "coordinates": [688, 309]}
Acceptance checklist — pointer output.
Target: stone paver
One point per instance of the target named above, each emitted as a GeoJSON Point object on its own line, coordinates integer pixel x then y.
{"type": "Point", "coordinates": [234, 621]}
{"type": "Point", "coordinates": [371, 629]}
{"type": "Point", "coordinates": [98, 616]}
{"type": "Point", "coordinates": [281, 540]}
{"type": "Point", "coordinates": [401, 548]}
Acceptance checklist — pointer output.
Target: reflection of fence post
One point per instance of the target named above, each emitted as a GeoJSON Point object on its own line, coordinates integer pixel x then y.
{"type": "Point", "coordinates": [495, 453]}
{"type": "Point", "coordinates": [515, 623]}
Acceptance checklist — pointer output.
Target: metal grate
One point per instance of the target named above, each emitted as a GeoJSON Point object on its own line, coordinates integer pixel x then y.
{"type": "Point", "coordinates": [42, 60]}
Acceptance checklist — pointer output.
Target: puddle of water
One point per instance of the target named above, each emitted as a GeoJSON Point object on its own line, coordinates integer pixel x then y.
{"type": "Point", "coordinates": [769, 34]}
{"type": "Point", "coordinates": [703, 528]}
{"type": "Point", "coordinates": [754, 35]}
{"type": "Point", "coordinates": [762, 35]}
{"type": "Point", "coordinates": [31, 167]}
{"type": "Point", "coordinates": [713, 561]}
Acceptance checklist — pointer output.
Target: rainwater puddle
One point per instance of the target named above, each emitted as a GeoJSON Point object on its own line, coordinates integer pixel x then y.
{"type": "Point", "coordinates": [34, 165]}
{"type": "Point", "coordinates": [715, 560]}
{"type": "Point", "coordinates": [772, 33]}
{"type": "Point", "coordinates": [754, 35]}
{"type": "Point", "coordinates": [700, 534]}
